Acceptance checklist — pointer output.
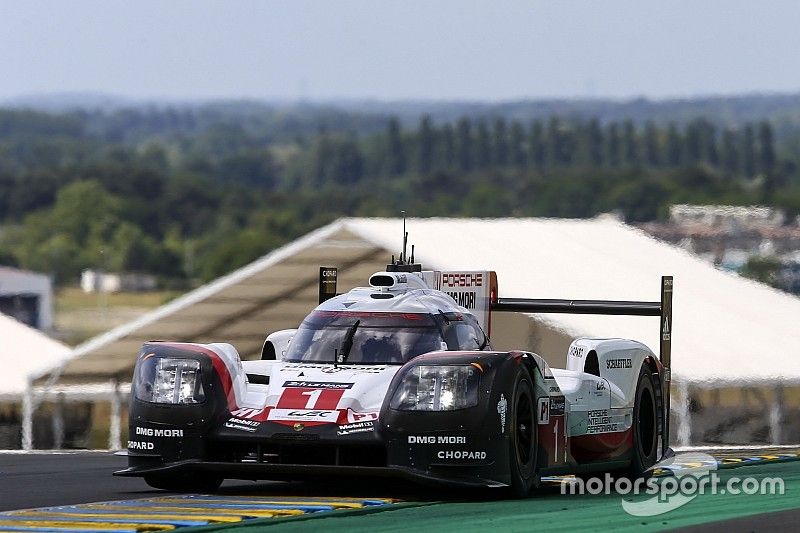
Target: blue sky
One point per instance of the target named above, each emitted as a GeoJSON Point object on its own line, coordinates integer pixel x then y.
{"type": "Point", "coordinates": [432, 49]}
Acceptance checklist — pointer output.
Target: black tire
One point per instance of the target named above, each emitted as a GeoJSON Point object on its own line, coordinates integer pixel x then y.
{"type": "Point", "coordinates": [645, 424]}
{"type": "Point", "coordinates": [523, 441]}
{"type": "Point", "coordinates": [183, 482]}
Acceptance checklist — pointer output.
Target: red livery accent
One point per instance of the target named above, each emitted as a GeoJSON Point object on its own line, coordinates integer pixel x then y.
{"type": "Point", "coordinates": [219, 367]}
{"type": "Point", "coordinates": [602, 446]}
{"type": "Point", "coordinates": [309, 398]}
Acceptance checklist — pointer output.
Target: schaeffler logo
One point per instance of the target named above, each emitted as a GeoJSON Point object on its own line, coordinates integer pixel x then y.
{"type": "Point", "coordinates": [693, 474]}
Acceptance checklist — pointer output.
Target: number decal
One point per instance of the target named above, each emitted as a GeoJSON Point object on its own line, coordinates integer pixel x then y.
{"type": "Point", "coordinates": [555, 438]}
{"type": "Point", "coordinates": [309, 398]}
{"type": "Point", "coordinates": [313, 396]}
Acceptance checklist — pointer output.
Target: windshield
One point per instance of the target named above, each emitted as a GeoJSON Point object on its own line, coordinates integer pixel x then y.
{"type": "Point", "coordinates": [379, 338]}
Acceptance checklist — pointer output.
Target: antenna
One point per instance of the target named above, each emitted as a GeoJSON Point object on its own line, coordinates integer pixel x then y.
{"type": "Point", "coordinates": [403, 263]}
{"type": "Point", "coordinates": [403, 256]}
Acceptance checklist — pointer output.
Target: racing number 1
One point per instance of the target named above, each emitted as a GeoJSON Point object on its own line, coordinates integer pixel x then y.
{"type": "Point", "coordinates": [309, 398]}
{"type": "Point", "coordinates": [313, 396]}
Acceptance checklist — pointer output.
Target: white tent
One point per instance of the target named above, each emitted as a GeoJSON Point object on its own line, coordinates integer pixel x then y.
{"type": "Point", "coordinates": [728, 332]}
{"type": "Point", "coordinates": [24, 353]}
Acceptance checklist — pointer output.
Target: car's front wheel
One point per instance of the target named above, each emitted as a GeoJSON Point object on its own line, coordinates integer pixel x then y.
{"type": "Point", "coordinates": [523, 435]}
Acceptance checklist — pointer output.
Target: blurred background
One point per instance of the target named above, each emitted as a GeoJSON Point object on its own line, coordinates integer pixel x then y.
{"type": "Point", "coordinates": [149, 148]}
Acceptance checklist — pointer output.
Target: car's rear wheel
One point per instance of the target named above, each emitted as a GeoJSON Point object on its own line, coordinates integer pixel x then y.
{"type": "Point", "coordinates": [523, 435]}
{"type": "Point", "coordinates": [645, 424]}
{"type": "Point", "coordinates": [184, 482]}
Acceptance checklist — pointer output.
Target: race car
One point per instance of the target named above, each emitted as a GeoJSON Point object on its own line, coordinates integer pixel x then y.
{"type": "Point", "coordinates": [399, 378]}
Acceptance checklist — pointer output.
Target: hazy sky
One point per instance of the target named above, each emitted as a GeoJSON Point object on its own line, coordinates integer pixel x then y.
{"type": "Point", "coordinates": [430, 49]}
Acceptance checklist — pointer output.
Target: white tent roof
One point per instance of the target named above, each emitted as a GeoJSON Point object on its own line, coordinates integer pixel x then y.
{"type": "Point", "coordinates": [726, 328]}
{"type": "Point", "coordinates": [24, 352]}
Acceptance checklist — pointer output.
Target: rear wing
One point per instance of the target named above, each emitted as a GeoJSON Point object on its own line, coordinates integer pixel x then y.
{"type": "Point", "coordinates": [662, 309]}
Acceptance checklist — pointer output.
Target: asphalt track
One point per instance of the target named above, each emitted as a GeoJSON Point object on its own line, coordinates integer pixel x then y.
{"type": "Point", "coordinates": [39, 480]}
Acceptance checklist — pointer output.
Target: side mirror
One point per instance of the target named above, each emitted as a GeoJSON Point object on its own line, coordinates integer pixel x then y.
{"type": "Point", "coordinates": [276, 344]}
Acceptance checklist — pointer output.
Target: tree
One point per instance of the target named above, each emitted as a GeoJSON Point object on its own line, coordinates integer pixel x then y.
{"type": "Point", "coordinates": [483, 148]}
{"type": "Point", "coordinates": [464, 154]}
{"type": "Point", "coordinates": [594, 140]}
{"type": "Point", "coordinates": [448, 148]}
{"type": "Point", "coordinates": [711, 152]}
{"type": "Point", "coordinates": [500, 144]}
{"type": "Point", "coordinates": [730, 153]}
{"type": "Point", "coordinates": [652, 148]}
{"type": "Point", "coordinates": [426, 139]}
{"type": "Point", "coordinates": [337, 160]}
{"type": "Point", "coordinates": [694, 149]}
{"type": "Point", "coordinates": [536, 146]}
{"type": "Point", "coordinates": [614, 145]}
{"type": "Point", "coordinates": [766, 147]}
{"type": "Point", "coordinates": [84, 209]}
{"type": "Point", "coordinates": [516, 147]}
{"type": "Point", "coordinates": [396, 156]}
{"type": "Point", "coordinates": [629, 143]}
{"type": "Point", "coordinates": [763, 269]}
{"type": "Point", "coordinates": [674, 146]}
{"type": "Point", "coordinates": [251, 166]}
{"type": "Point", "coordinates": [347, 166]}
{"type": "Point", "coordinates": [749, 151]}
{"type": "Point", "coordinates": [554, 140]}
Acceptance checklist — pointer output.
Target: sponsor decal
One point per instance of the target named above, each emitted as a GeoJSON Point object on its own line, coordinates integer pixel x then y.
{"type": "Point", "coordinates": [554, 388]}
{"type": "Point", "coordinates": [558, 405]}
{"type": "Point", "coordinates": [464, 299]}
{"type": "Point", "coordinates": [665, 335]}
{"type": "Point", "coordinates": [618, 363]}
{"type": "Point", "coordinates": [600, 422]}
{"type": "Point", "coordinates": [599, 385]}
{"type": "Point", "coordinates": [140, 445]}
{"type": "Point", "coordinates": [330, 369]}
{"type": "Point", "coordinates": [437, 439]}
{"type": "Point", "coordinates": [243, 425]}
{"type": "Point", "coordinates": [318, 385]}
{"type": "Point", "coordinates": [353, 416]}
{"type": "Point", "coordinates": [502, 407]}
{"type": "Point", "coordinates": [460, 454]}
{"type": "Point", "coordinates": [247, 412]}
{"type": "Point", "coordinates": [356, 427]}
{"type": "Point", "coordinates": [463, 279]}
{"type": "Point", "coordinates": [153, 432]}
{"type": "Point", "coordinates": [577, 351]}
{"type": "Point", "coordinates": [303, 415]}
{"type": "Point", "coordinates": [543, 410]}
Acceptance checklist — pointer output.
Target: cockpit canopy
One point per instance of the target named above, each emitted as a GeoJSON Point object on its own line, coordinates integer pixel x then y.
{"type": "Point", "coordinates": [381, 337]}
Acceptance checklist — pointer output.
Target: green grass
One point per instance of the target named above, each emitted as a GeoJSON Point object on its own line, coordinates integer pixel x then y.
{"type": "Point", "coordinates": [80, 316]}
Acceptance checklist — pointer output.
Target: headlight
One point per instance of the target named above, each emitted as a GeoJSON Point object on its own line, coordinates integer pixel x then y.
{"type": "Point", "coordinates": [437, 388]}
{"type": "Point", "coordinates": [169, 380]}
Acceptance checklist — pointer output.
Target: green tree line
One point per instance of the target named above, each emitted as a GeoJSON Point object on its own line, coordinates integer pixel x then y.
{"type": "Point", "coordinates": [189, 196]}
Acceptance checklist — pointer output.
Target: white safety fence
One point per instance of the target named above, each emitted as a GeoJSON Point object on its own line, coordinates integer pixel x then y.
{"type": "Point", "coordinates": [113, 392]}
